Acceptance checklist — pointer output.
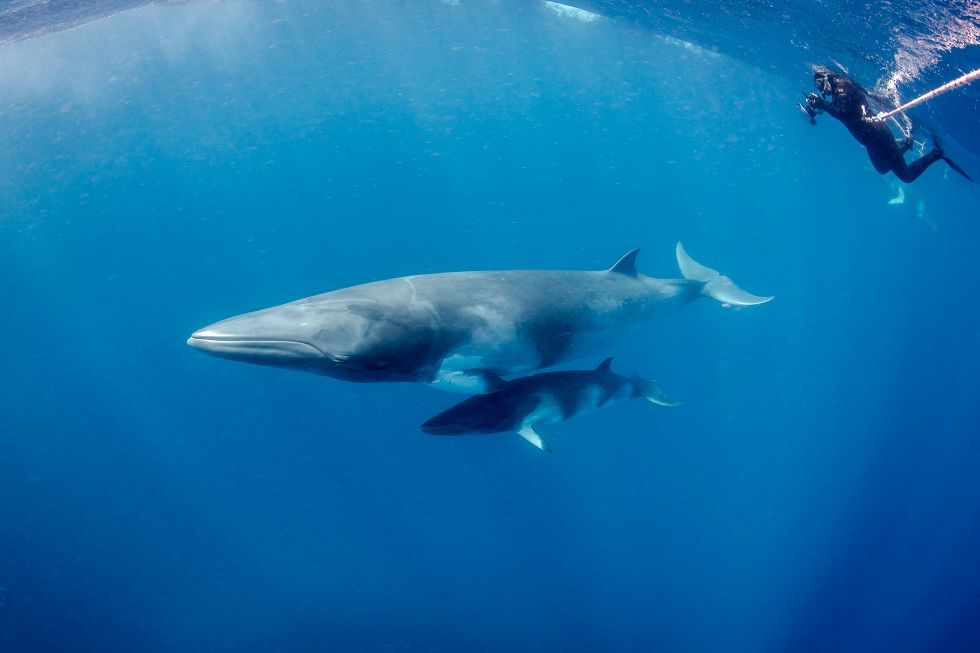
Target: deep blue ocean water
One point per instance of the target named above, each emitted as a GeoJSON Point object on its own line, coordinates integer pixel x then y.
{"type": "Point", "coordinates": [172, 165]}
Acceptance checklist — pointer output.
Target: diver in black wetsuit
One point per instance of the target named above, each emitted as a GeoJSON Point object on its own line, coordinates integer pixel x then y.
{"type": "Point", "coordinates": [851, 105]}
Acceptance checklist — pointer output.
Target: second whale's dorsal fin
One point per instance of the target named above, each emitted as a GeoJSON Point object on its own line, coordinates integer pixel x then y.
{"type": "Point", "coordinates": [627, 264]}
{"type": "Point", "coordinates": [605, 366]}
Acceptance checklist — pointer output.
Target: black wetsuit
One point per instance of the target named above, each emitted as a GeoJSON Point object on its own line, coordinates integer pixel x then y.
{"type": "Point", "coordinates": [851, 105]}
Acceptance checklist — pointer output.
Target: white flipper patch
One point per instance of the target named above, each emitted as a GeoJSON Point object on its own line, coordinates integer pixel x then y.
{"type": "Point", "coordinates": [528, 433]}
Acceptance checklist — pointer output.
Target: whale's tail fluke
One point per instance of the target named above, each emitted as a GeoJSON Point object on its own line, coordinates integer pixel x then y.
{"type": "Point", "coordinates": [650, 391]}
{"type": "Point", "coordinates": [716, 285]}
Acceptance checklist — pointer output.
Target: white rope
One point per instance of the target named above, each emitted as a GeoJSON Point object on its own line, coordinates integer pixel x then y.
{"type": "Point", "coordinates": [945, 88]}
{"type": "Point", "coordinates": [905, 132]}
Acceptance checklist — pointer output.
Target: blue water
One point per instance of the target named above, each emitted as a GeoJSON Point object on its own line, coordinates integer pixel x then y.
{"type": "Point", "coordinates": [172, 165]}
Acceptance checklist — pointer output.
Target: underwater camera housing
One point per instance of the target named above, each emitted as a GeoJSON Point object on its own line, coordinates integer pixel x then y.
{"type": "Point", "coordinates": [808, 113]}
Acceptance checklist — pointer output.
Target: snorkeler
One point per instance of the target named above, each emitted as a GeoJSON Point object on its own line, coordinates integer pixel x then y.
{"type": "Point", "coordinates": [851, 105]}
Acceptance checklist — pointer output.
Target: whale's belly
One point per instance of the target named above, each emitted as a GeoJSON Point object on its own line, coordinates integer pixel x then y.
{"type": "Point", "coordinates": [505, 324]}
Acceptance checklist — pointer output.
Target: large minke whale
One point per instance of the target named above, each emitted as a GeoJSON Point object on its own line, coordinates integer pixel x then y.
{"type": "Point", "coordinates": [462, 331]}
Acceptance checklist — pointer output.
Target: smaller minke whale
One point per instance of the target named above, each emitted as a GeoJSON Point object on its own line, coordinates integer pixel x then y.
{"type": "Point", "coordinates": [548, 398]}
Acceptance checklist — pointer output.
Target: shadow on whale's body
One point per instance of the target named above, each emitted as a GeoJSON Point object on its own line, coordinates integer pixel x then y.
{"type": "Point", "coordinates": [462, 331]}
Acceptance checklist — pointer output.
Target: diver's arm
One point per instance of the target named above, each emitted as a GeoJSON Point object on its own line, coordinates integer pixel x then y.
{"type": "Point", "coordinates": [819, 104]}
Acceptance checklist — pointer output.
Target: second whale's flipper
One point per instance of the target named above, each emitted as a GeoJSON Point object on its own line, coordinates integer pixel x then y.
{"type": "Point", "coordinates": [528, 433]}
{"type": "Point", "coordinates": [716, 285]}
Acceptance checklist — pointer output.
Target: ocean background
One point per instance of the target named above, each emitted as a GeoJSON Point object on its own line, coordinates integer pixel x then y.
{"type": "Point", "coordinates": [173, 164]}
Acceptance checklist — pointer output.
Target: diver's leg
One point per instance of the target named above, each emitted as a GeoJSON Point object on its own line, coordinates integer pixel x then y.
{"type": "Point", "coordinates": [909, 173]}
{"type": "Point", "coordinates": [883, 161]}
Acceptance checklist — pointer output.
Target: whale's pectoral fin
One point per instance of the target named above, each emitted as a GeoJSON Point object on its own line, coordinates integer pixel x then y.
{"type": "Point", "coordinates": [716, 285]}
{"type": "Point", "coordinates": [900, 198]}
{"type": "Point", "coordinates": [528, 433]}
{"type": "Point", "coordinates": [470, 382]}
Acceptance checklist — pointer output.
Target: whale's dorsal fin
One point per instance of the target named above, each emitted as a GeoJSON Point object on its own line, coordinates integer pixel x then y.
{"type": "Point", "coordinates": [627, 264]}
{"type": "Point", "coordinates": [605, 366]}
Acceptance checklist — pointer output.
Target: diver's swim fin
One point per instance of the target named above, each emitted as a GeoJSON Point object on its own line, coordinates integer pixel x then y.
{"type": "Point", "coordinates": [952, 164]}
{"type": "Point", "coordinates": [938, 145]}
{"type": "Point", "coordinates": [716, 285]}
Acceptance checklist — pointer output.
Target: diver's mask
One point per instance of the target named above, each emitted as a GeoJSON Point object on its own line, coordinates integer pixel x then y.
{"type": "Point", "coordinates": [822, 83]}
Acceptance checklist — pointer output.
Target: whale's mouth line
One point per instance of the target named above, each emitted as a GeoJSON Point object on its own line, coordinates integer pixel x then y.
{"type": "Point", "coordinates": [226, 344]}
{"type": "Point", "coordinates": [244, 339]}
